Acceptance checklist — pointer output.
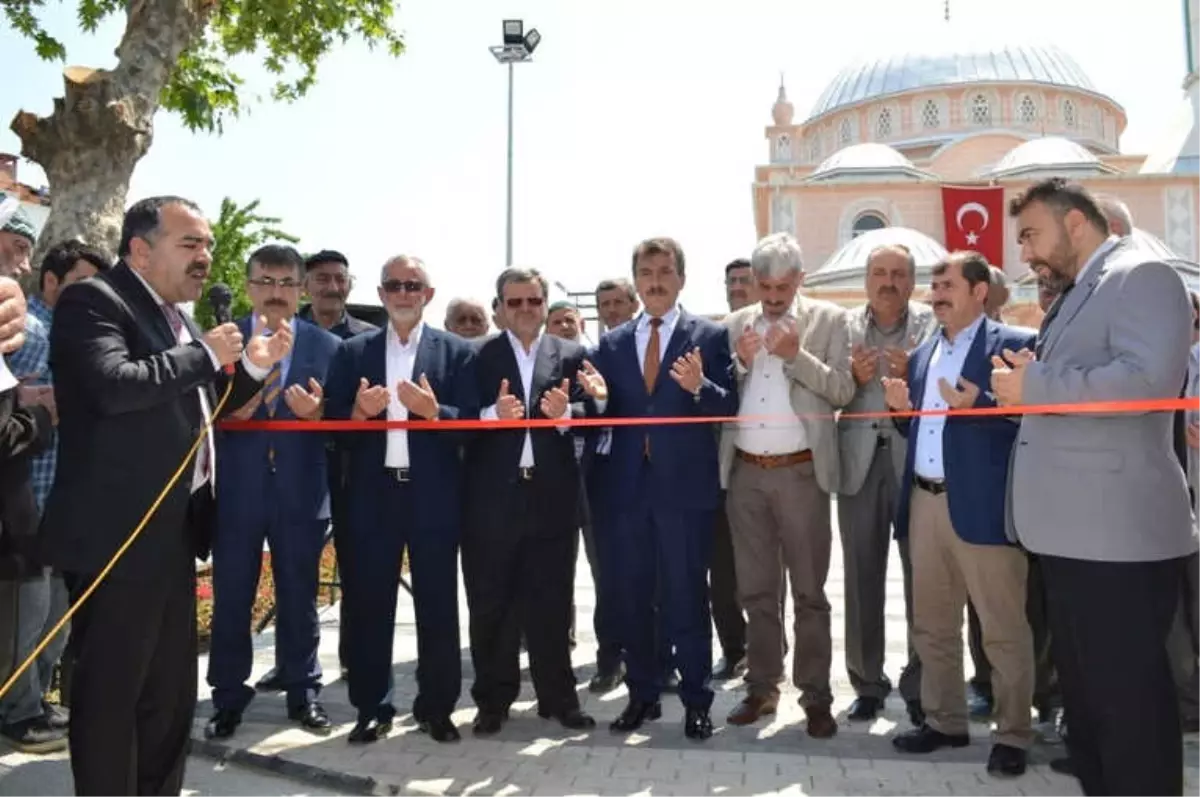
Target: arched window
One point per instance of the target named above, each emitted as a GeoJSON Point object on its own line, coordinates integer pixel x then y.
{"type": "Point", "coordinates": [783, 148]}
{"type": "Point", "coordinates": [814, 148]}
{"type": "Point", "coordinates": [866, 222]}
{"type": "Point", "coordinates": [883, 124]}
{"type": "Point", "coordinates": [981, 110]}
{"type": "Point", "coordinates": [845, 134]}
{"type": "Point", "coordinates": [1027, 112]}
{"type": "Point", "coordinates": [931, 115]}
{"type": "Point", "coordinates": [1068, 114]}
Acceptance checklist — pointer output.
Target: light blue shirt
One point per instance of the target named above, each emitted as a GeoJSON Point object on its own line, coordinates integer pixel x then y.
{"type": "Point", "coordinates": [946, 362]}
{"type": "Point", "coordinates": [286, 362]}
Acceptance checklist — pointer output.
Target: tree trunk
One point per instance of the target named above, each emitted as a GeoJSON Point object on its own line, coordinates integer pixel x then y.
{"type": "Point", "coordinates": [104, 123]}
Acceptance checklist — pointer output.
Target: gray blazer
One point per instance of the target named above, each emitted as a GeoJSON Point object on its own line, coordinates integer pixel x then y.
{"type": "Point", "coordinates": [857, 438]}
{"type": "Point", "coordinates": [1107, 487]}
{"type": "Point", "coordinates": [820, 380]}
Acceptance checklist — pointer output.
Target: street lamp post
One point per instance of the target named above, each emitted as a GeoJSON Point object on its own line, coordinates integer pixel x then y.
{"type": "Point", "coordinates": [517, 48]}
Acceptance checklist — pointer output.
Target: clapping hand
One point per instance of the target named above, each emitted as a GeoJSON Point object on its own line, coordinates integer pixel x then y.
{"type": "Point", "coordinates": [556, 401]}
{"type": "Point", "coordinates": [265, 350]}
{"type": "Point", "coordinates": [897, 359]}
{"type": "Point", "coordinates": [1008, 375]}
{"type": "Point", "coordinates": [783, 340]}
{"type": "Point", "coordinates": [592, 382]}
{"type": "Point", "coordinates": [958, 398]}
{"type": "Point", "coordinates": [748, 344]}
{"type": "Point", "coordinates": [688, 371]}
{"type": "Point", "coordinates": [12, 316]}
{"type": "Point", "coordinates": [305, 404]}
{"type": "Point", "coordinates": [863, 362]}
{"type": "Point", "coordinates": [508, 406]}
{"type": "Point", "coordinates": [369, 401]}
{"type": "Point", "coordinates": [895, 393]}
{"type": "Point", "coordinates": [419, 398]}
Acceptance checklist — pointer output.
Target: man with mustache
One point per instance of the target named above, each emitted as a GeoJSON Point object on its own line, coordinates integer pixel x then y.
{"type": "Point", "coordinates": [136, 384]}
{"type": "Point", "coordinates": [741, 290]}
{"type": "Point", "coordinates": [405, 491]}
{"type": "Point", "coordinates": [882, 333]}
{"type": "Point", "coordinates": [467, 319]}
{"type": "Point", "coordinates": [1083, 485]}
{"type": "Point", "coordinates": [272, 487]}
{"type": "Point", "coordinates": [952, 511]}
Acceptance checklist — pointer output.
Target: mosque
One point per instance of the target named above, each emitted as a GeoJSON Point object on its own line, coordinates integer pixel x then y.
{"type": "Point", "coordinates": [926, 148]}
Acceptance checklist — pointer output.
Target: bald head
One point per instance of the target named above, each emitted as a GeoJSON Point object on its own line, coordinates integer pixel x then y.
{"type": "Point", "coordinates": [1120, 220]}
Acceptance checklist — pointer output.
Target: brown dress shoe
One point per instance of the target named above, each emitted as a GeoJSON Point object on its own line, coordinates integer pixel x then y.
{"type": "Point", "coordinates": [821, 724]}
{"type": "Point", "coordinates": [752, 708]}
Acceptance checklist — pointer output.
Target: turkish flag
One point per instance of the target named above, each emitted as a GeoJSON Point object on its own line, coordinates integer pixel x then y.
{"type": "Point", "coordinates": [975, 220]}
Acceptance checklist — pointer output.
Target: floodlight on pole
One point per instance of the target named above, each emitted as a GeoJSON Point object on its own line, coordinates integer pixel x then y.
{"type": "Point", "coordinates": [517, 48]}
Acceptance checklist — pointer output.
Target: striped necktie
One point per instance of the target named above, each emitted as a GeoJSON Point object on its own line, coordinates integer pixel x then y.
{"type": "Point", "coordinates": [272, 387]}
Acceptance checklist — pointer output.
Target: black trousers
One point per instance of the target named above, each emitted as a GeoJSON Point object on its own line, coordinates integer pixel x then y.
{"type": "Point", "coordinates": [336, 469]}
{"type": "Point", "coordinates": [722, 583]}
{"type": "Point", "coordinates": [519, 572]}
{"type": "Point", "coordinates": [1108, 626]}
{"type": "Point", "coordinates": [133, 691]}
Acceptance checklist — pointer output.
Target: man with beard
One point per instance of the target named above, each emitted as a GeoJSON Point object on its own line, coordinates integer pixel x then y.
{"type": "Point", "coordinates": [1083, 483]}
{"type": "Point", "coordinates": [272, 487]}
{"type": "Point", "coordinates": [882, 333]}
{"type": "Point", "coordinates": [135, 383]}
{"type": "Point", "coordinates": [405, 494]}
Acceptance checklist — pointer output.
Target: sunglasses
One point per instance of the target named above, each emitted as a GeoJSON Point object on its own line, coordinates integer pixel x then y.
{"type": "Point", "coordinates": [528, 301]}
{"type": "Point", "coordinates": [407, 286]}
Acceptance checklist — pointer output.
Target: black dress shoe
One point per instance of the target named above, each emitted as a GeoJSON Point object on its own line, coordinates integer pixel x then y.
{"type": "Point", "coordinates": [269, 682]}
{"type": "Point", "coordinates": [730, 668]}
{"type": "Point", "coordinates": [573, 719]}
{"type": "Point", "coordinates": [926, 740]}
{"type": "Point", "coordinates": [368, 731]}
{"type": "Point", "coordinates": [916, 714]}
{"type": "Point", "coordinates": [440, 729]}
{"type": "Point", "coordinates": [636, 713]}
{"type": "Point", "coordinates": [697, 724]}
{"type": "Point", "coordinates": [488, 723]}
{"type": "Point", "coordinates": [311, 716]}
{"type": "Point", "coordinates": [1006, 761]}
{"type": "Point", "coordinates": [604, 682]}
{"type": "Point", "coordinates": [864, 709]}
{"type": "Point", "coordinates": [1062, 766]}
{"type": "Point", "coordinates": [223, 724]}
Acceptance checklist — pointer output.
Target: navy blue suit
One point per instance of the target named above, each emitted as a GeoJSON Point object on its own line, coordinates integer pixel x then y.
{"type": "Point", "coordinates": [386, 515]}
{"type": "Point", "coordinates": [975, 450]}
{"type": "Point", "coordinates": [663, 505]}
{"type": "Point", "coordinates": [279, 502]}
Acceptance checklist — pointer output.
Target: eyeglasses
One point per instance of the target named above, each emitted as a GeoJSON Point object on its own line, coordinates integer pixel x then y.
{"type": "Point", "coordinates": [407, 286]}
{"type": "Point", "coordinates": [470, 319]}
{"type": "Point", "coordinates": [271, 282]}
{"type": "Point", "coordinates": [739, 280]}
{"type": "Point", "coordinates": [329, 279]}
{"type": "Point", "coordinates": [529, 301]}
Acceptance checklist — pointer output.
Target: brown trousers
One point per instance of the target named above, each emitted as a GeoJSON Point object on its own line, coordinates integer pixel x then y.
{"type": "Point", "coordinates": [780, 514]}
{"type": "Point", "coordinates": [946, 570]}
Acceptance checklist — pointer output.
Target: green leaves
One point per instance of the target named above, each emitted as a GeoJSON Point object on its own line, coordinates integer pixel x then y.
{"type": "Point", "coordinates": [237, 231]}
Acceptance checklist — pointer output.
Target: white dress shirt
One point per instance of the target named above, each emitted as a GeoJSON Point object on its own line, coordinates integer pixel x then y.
{"type": "Point", "coordinates": [401, 357]}
{"type": "Point", "coordinates": [641, 339]}
{"type": "Point", "coordinates": [766, 391]}
{"type": "Point", "coordinates": [946, 362]}
{"type": "Point", "coordinates": [525, 362]}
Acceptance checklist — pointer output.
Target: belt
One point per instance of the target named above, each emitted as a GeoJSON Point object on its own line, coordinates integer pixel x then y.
{"type": "Point", "coordinates": [929, 485]}
{"type": "Point", "coordinates": [399, 474]}
{"type": "Point", "coordinates": [525, 474]}
{"type": "Point", "coordinates": [775, 461]}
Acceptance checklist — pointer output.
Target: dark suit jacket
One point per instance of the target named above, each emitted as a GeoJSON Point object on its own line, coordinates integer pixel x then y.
{"type": "Point", "coordinates": [975, 451]}
{"type": "Point", "coordinates": [493, 457]}
{"type": "Point", "coordinates": [448, 362]}
{"type": "Point", "coordinates": [300, 457]}
{"type": "Point", "coordinates": [24, 432]}
{"type": "Point", "coordinates": [128, 414]}
{"type": "Point", "coordinates": [686, 473]}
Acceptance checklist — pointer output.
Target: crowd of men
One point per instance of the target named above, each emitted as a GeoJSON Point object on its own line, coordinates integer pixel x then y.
{"type": "Point", "coordinates": [1081, 603]}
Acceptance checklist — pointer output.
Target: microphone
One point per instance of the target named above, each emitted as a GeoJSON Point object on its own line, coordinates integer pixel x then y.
{"type": "Point", "coordinates": [220, 299]}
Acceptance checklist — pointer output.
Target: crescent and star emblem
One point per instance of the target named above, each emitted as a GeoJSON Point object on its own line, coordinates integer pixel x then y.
{"type": "Point", "coordinates": [973, 207]}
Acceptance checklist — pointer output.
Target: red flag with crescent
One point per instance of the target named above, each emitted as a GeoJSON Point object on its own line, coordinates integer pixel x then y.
{"type": "Point", "coordinates": [975, 220]}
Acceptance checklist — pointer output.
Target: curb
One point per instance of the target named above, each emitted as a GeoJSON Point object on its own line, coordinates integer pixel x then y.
{"type": "Point", "coordinates": [339, 782]}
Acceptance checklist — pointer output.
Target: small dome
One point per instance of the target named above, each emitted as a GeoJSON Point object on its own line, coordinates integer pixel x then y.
{"type": "Point", "coordinates": [869, 157]}
{"type": "Point", "coordinates": [1049, 153]}
{"type": "Point", "coordinates": [847, 266]}
{"type": "Point", "coordinates": [783, 111]}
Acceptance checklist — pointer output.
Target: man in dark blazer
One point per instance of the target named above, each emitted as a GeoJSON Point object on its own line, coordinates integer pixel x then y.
{"type": "Point", "coordinates": [272, 487]}
{"type": "Point", "coordinates": [520, 535]}
{"type": "Point", "coordinates": [135, 382]}
{"type": "Point", "coordinates": [664, 483]}
{"type": "Point", "coordinates": [405, 492]}
{"type": "Point", "coordinates": [951, 509]}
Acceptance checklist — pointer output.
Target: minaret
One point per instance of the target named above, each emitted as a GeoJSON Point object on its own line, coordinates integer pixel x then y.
{"type": "Point", "coordinates": [783, 112]}
{"type": "Point", "coordinates": [1191, 32]}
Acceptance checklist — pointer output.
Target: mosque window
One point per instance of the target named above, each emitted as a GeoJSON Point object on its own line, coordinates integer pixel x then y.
{"type": "Point", "coordinates": [783, 148]}
{"type": "Point", "coordinates": [1027, 112]}
{"type": "Point", "coordinates": [1068, 114]}
{"type": "Point", "coordinates": [981, 110]}
{"type": "Point", "coordinates": [845, 134]}
{"type": "Point", "coordinates": [883, 124]}
{"type": "Point", "coordinates": [814, 148]}
{"type": "Point", "coordinates": [866, 222]}
{"type": "Point", "coordinates": [931, 116]}
{"type": "Point", "coordinates": [1099, 116]}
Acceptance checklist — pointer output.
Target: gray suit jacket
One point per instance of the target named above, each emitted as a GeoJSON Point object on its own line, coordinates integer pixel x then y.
{"type": "Point", "coordinates": [1107, 487]}
{"type": "Point", "coordinates": [820, 381]}
{"type": "Point", "coordinates": [857, 438]}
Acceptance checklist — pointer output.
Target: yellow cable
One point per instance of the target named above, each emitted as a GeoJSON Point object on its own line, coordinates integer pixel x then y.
{"type": "Point", "coordinates": [66, 618]}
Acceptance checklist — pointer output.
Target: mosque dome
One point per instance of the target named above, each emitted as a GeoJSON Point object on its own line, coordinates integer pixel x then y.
{"type": "Point", "coordinates": [869, 158]}
{"type": "Point", "coordinates": [847, 267]}
{"type": "Point", "coordinates": [1049, 154]}
{"type": "Point", "coordinates": [950, 65]}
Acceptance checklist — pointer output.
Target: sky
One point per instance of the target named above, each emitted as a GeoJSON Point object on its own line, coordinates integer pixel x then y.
{"type": "Point", "coordinates": [636, 118]}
